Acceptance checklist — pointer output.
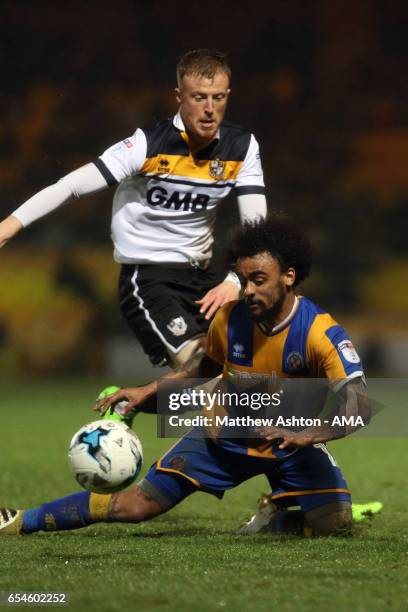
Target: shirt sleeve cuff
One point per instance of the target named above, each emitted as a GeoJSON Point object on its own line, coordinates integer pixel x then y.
{"type": "Point", "coordinates": [106, 173]}
{"type": "Point", "coordinates": [249, 190]}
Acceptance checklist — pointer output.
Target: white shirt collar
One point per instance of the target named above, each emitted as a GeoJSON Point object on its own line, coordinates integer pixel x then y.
{"type": "Point", "coordinates": [179, 124]}
{"type": "Point", "coordinates": [282, 324]}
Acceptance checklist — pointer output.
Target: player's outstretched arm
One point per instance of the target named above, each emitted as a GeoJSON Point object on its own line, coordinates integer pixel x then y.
{"type": "Point", "coordinates": [9, 228]}
{"type": "Point", "coordinates": [353, 408]}
{"type": "Point", "coordinates": [85, 180]}
{"type": "Point", "coordinates": [143, 399]}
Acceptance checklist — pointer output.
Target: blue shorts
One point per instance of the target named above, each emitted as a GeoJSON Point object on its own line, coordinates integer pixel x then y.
{"type": "Point", "coordinates": [309, 478]}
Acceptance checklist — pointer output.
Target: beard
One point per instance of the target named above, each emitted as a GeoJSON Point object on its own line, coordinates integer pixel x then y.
{"type": "Point", "coordinates": [271, 314]}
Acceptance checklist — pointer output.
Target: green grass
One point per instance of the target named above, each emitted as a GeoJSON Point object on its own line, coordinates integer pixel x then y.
{"type": "Point", "coordinates": [190, 558]}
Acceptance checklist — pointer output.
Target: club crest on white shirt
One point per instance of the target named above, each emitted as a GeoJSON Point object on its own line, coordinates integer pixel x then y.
{"type": "Point", "coordinates": [177, 326]}
{"type": "Point", "coordinates": [348, 351]}
{"type": "Point", "coordinates": [217, 168]}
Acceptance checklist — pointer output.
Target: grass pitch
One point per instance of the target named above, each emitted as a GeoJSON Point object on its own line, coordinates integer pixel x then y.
{"type": "Point", "coordinates": [191, 558]}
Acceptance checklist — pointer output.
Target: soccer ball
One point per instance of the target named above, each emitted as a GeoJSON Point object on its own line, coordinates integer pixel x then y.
{"type": "Point", "coordinates": [105, 456]}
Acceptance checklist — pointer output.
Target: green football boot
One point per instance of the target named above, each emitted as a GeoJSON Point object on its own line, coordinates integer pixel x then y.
{"type": "Point", "coordinates": [362, 512]}
{"type": "Point", "coordinates": [116, 413]}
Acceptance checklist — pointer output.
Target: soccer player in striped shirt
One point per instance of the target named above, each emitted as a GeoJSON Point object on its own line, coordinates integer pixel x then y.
{"type": "Point", "coordinates": [272, 332]}
{"type": "Point", "coordinates": [169, 180]}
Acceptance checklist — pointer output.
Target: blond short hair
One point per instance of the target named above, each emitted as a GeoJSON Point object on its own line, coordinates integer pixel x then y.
{"type": "Point", "coordinates": [202, 63]}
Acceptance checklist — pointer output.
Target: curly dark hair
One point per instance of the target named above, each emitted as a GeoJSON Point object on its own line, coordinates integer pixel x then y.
{"type": "Point", "coordinates": [277, 235]}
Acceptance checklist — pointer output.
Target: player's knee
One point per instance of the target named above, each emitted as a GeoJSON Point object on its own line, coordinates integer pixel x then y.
{"type": "Point", "coordinates": [133, 506]}
{"type": "Point", "coordinates": [197, 344]}
{"type": "Point", "coordinates": [330, 519]}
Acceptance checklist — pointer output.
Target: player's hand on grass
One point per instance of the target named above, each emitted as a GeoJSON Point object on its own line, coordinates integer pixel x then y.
{"type": "Point", "coordinates": [216, 297]}
{"type": "Point", "coordinates": [9, 228]}
{"type": "Point", "coordinates": [134, 396]}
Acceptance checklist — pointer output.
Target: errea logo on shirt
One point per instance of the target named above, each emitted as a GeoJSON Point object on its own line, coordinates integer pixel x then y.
{"type": "Point", "coordinates": [238, 351]}
{"type": "Point", "coordinates": [348, 351]}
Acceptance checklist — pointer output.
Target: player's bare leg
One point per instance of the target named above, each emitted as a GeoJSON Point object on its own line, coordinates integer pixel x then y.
{"type": "Point", "coordinates": [196, 344]}
{"type": "Point", "coordinates": [264, 517]}
{"type": "Point", "coordinates": [330, 519]}
{"type": "Point", "coordinates": [133, 506]}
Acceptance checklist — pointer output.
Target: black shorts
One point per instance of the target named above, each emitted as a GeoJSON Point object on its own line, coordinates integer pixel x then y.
{"type": "Point", "coordinates": [158, 304]}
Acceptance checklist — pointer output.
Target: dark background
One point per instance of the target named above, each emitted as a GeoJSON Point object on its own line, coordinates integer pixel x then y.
{"type": "Point", "coordinates": [322, 84]}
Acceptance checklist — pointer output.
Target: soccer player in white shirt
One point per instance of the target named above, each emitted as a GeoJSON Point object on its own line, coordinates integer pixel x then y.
{"type": "Point", "coordinates": [170, 180]}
